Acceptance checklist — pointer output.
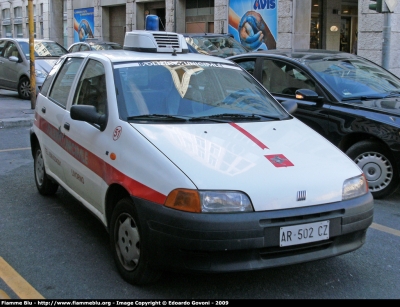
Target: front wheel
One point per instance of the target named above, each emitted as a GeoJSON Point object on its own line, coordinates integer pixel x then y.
{"type": "Point", "coordinates": [24, 88]}
{"type": "Point", "coordinates": [129, 249]}
{"type": "Point", "coordinates": [378, 166]}
{"type": "Point", "coordinates": [44, 184]}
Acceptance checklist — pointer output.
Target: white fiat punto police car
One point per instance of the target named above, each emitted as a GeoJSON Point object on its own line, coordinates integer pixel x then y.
{"type": "Point", "coordinates": [191, 164]}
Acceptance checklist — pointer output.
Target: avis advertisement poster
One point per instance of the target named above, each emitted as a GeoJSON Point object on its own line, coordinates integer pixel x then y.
{"type": "Point", "coordinates": [254, 23]}
{"type": "Point", "coordinates": [83, 24]}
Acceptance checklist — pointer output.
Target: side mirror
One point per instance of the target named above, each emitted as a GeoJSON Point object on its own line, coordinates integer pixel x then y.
{"type": "Point", "coordinates": [306, 94]}
{"type": "Point", "coordinates": [13, 59]}
{"type": "Point", "coordinates": [289, 105]}
{"type": "Point", "coordinates": [88, 114]}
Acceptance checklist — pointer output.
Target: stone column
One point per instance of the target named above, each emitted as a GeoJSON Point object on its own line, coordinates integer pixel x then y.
{"type": "Point", "coordinates": [221, 16]}
{"type": "Point", "coordinates": [55, 21]}
{"type": "Point", "coordinates": [370, 35]}
{"type": "Point", "coordinates": [175, 15]}
{"type": "Point", "coordinates": [331, 25]}
{"type": "Point", "coordinates": [130, 15]}
{"type": "Point", "coordinates": [301, 24]}
{"type": "Point", "coordinates": [70, 23]}
{"type": "Point", "coordinates": [285, 24]}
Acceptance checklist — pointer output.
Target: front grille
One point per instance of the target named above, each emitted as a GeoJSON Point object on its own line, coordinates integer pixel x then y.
{"type": "Point", "coordinates": [278, 252]}
{"type": "Point", "coordinates": [167, 40]}
{"type": "Point", "coordinates": [307, 218]}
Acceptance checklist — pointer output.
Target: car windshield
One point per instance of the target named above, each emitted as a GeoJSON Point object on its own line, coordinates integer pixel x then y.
{"type": "Point", "coordinates": [222, 46]}
{"type": "Point", "coordinates": [44, 49]}
{"type": "Point", "coordinates": [187, 90]}
{"type": "Point", "coordinates": [356, 78]}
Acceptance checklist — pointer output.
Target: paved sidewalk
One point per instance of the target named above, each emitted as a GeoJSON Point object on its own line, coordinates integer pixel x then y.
{"type": "Point", "coordinates": [14, 112]}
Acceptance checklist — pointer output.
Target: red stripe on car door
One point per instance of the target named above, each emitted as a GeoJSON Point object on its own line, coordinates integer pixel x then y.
{"type": "Point", "coordinates": [97, 165]}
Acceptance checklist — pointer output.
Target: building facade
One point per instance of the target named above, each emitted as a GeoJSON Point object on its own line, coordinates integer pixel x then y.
{"type": "Point", "coordinates": [347, 25]}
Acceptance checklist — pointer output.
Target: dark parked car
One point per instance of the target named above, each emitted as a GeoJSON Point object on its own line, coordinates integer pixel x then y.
{"type": "Point", "coordinates": [93, 45]}
{"type": "Point", "coordinates": [221, 45]}
{"type": "Point", "coordinates": [351, 101]}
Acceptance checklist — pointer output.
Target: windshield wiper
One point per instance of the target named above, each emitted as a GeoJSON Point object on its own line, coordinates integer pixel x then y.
{"type": "Point", "coordinates": [156, 117]}
{"type": "Point", "coordinates": [220, 117]}
{"type": "Point", "coordinates": [393, 94]}
{"type": "Point", "coordinates": [362, 98]}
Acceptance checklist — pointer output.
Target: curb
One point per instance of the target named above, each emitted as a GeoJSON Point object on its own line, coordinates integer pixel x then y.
{"type": "Point", "coordinates": [16, 122]}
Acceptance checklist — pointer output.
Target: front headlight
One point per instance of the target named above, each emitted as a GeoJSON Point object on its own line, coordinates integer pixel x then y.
{"type": "Point", "coordinates": [209, 201]}
{"type": "Point", "coordinates": [40, 73]}
{"type": "Point", "coordinates": [354, 187]}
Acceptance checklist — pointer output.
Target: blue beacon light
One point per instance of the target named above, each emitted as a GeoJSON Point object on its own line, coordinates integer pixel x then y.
{"type": "Point", "coordinates": [152, 23]}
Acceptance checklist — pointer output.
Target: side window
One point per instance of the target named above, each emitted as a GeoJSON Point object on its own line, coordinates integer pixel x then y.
{"type": "Point", "coordinates": [283, 78]}
{"type": "Point", "coordinates": [91, 88]}
{"type": "Point", "coordinates": [84, 48]}
{"type": "Point", "coordinates": [47, 82]}
{"type": "Point", "coordinates": [2, 45]}
{"type": "Point", "coordinates": [248, 65]}
{"type": "Point", "coordinates": [75, 48]}
{"type": "Point", "coordinates": [11, 50]}
{"type": "Point", "coordinates": [63, 81]}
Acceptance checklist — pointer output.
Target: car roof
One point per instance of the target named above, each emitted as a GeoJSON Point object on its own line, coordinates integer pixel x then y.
{"type": "Point", "coordinates": [95, 42]}
{"type": "Point", "coordinates": [26, 39]}
{"type": "Point", "coordinates": [117, 56]}
{"type": "Point", "coordinates": [304, 55]}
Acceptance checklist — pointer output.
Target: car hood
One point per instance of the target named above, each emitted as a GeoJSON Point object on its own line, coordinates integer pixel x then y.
{"type": "Point", "coordinates": [45, 64]}
{"type": "Point", "coordinates": [269, 161]}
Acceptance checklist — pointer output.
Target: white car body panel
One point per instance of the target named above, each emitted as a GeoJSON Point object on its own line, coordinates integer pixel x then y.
{"type": "Point", "coordinates": [219, 157]}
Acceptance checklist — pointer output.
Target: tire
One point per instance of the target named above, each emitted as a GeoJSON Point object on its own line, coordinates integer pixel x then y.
{"type": "Point", "coordinates": [129, 251]}
{"type": "Point", "coordinates": [378, 166]}
{"type": "Point", "coordinates": [24, 88]}
{"type": "Point", "coordinates": [44, 184]}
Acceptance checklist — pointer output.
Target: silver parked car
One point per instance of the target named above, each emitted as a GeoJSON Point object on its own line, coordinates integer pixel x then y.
{"type": "Point", "coordinates": [15, 63]}
{"type": "Point", "coordinates": [93, 44]}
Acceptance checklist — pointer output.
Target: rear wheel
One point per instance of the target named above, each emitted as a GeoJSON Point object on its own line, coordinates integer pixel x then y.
{"type": "Point", "coordinates": [24, 88]}
{"type": "Point", "coordinates": [129, 249]}
{"type": "Point", "coordinates": [378, 166]}
{"type": "Point", "coordinates": [44, 184]}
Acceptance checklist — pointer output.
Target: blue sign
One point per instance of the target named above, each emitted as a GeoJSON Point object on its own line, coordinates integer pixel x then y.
{"type": "Point", "coordinates": [254, 23]}
{"type": "Point", "coordinates": [83, 24]}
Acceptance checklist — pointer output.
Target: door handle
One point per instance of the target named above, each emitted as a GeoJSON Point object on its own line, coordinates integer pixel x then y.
{"type": "Point", "coordinates": [43, 110]}
{"type": "Point", "coordinates": [66, 126]}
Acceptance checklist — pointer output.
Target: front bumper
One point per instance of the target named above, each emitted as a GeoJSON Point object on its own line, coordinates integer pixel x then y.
{"type": "Point", "coordinates": [248, 241]}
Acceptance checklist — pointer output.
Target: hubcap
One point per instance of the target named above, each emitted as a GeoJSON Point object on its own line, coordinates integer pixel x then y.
{"type": "Point", "coordinates": [25, 89]}
{"type": "Point", "coordinates": [39, 168]}
{"type": "Point", "coordinates": [127, 242]}
{"type": "Point", "coordinates": [377, 170]}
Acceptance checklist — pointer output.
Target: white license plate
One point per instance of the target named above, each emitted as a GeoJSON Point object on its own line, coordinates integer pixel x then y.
{"type": "Point", "coordinates": [305, 233]}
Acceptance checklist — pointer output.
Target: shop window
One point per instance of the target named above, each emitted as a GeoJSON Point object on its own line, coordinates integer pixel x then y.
{"type": "Point", "coordinates": [316, 25]}
{"type": "Point", "coordinates": [194, 4]}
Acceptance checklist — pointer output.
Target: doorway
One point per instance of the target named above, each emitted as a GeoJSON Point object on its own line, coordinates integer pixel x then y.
{"type": "Point", "coordinates": [345, 26]}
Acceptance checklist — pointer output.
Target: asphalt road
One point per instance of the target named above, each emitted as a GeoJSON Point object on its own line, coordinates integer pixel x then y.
{"type": "Point", "coordinates": [62, 252]}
